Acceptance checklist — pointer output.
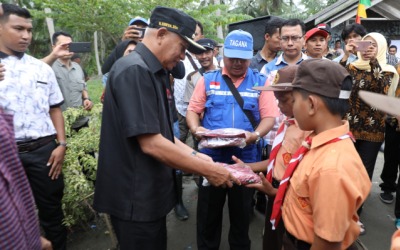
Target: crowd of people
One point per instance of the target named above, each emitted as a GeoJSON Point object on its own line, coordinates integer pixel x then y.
{"type": "Point", "coordinates": [310, 137]}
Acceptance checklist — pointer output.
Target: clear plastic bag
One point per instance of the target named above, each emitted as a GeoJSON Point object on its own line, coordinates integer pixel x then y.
{"type": "Point", "coordinates": [225, 137]}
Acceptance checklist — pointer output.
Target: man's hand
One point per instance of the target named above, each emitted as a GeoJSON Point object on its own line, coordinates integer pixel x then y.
{"type": "Point", "coordinates": [87, 104]}
{"type": "Point", "coordinates": [61, 50]}
{"type": "Point", "coordinates": [46, 244]}
{"type": "Point", "coordinates": [131, 33]}
{"type": "Point", "coordinates": [265, 186]}
{"type": "Point", "coordinates": [56, 161]}
{"type": "Point", "coordinates": [2, 70]}
{"type": "Point", "coordinates": [250, 137]}
{"type": "Point", "coordinates": [220, 176]}
{"type": "Point", "coordinates": [58, 51]}
{"type": "Point", "coordinates": [199, 129]}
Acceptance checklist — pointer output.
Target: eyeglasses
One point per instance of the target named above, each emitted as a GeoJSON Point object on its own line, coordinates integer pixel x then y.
{"type": "Point", "coordinates": [293, 38]}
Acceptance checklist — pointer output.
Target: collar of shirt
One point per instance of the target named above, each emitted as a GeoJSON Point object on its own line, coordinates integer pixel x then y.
{"type": "Point", "coordinates": [280, 59]}
{"type": "Point", "coordinates": [149, 58]}
{"type": "Point", "coordinates": [60, 64]}
{"type": "Point", "coordinates": [238, 80]}
{"type": "Point", "coordinates": [259, 58]}
{"type": "Point", "coordinates": [17, 54]}
{"type": "Point", "coordinates": [324, 137]}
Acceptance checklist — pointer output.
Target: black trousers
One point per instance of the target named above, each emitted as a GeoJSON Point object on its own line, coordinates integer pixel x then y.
{"type": "Point", "coordinates": [368, 152]}
{"type": "Point", "coordinates": [272, 239]}
{"type": "Point", "coordinates": [131, 235]}
{"type": "Point", "coordinates": [48, 193]}
{"type": "Point", "coordinates": [391, 165]}
{"type": "Point", "coordinates": [392, 159]}
{"type": "Point", "coordinates": [210, 206]}
{"type": "Point", "coordinates": [183, 128]}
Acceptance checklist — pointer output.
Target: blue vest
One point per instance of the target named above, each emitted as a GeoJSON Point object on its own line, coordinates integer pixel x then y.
{"type": "Point", "coordinates": [223, 111]}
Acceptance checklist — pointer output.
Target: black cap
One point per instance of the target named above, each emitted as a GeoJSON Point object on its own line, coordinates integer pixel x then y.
{"type": "Point", "coordinates": [207, 43]}
{"type": "Point", "coordinates": [176, 21]}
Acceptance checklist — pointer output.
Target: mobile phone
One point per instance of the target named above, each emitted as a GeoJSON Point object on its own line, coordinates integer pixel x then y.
{"type": "Point", "coordinates": [362, 45]}
{"type": "Point", "coordinates": [141, 31]}
{"type": "Point", "coordinates": [79, 47]}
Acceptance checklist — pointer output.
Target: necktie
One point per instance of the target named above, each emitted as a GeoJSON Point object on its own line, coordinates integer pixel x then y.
{"type": "Point", "coordinates": [294, 162]}
{"type": "Point", "coordinates": [280, 135]}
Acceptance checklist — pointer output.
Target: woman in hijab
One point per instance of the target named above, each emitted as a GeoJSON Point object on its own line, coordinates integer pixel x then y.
{"type": "Point", "coordinates": [370, 72]}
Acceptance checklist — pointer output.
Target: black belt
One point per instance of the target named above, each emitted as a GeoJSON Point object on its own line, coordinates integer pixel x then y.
{"type": "Point", "coordinates": [299, 244]}
{"type": "Point", "coordinates": [29, 146]}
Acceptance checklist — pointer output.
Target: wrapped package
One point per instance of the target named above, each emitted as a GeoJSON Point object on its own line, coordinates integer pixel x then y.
{"type": "Point", "coordinates": [243, 173]}
{"type": "Point", "coordinates": [224, 137]}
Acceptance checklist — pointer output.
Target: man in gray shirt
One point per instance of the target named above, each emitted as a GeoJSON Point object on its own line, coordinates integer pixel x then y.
{"type": "Point", "coordinates": [71, 79]}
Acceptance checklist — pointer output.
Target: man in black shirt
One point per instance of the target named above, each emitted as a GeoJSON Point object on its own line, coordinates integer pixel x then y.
{"type": "Point", "coordinates": [135, 183]}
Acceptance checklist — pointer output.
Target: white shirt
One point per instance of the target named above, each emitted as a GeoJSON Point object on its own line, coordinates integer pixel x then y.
{"type": "Point", "coordinates": [180, 85]}
{"type": "Point", "coordinates": [28, 91]}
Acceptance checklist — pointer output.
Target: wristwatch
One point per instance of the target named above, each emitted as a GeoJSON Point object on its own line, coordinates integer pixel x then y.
{"type": "Point", "coordinates": [62, 144]}
{"type": "Point", "coordinates": [258, 137]}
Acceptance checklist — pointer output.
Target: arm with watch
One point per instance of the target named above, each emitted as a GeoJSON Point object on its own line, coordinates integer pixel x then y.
{"type": "Point", "coordinates": [265, 125]}
{"type": "Point", "coordinates": [56, 159]}
{"type": "Point", "coordinates": [87, 103]}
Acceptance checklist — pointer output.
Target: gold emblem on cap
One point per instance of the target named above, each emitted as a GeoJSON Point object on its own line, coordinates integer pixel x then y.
{"type": "Point", "coordinates": [172, 26]}
{"type": "Point", "coordinates": [276, 79]}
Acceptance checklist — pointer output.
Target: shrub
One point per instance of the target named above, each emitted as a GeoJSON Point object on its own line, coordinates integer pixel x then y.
{"type": "Point", "coordinates": [80, 166]}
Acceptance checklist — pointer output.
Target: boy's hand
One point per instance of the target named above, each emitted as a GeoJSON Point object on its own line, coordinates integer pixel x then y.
{"type": "Point", "coordinates": [265, 186]}
{"type": "Point", "coordinates": [238, 161]}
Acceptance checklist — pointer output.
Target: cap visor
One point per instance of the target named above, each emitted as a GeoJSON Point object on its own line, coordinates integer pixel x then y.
{"type": "Point", "coordinates": [194, 47]}
{"type": "Point", "coordinates": [231, 53]}
{"type": "Point", "coordinates": [387, 104]}
{"type": "Point", "coordinates": [275, 87]}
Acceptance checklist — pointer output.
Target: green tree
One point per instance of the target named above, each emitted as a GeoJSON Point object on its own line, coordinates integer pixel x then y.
{"type": "Point", "coordinates": [283, 8]}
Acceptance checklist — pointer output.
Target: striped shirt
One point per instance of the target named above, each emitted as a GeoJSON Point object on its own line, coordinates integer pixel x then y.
{"type": "Point", "coordinates": [19, 228]}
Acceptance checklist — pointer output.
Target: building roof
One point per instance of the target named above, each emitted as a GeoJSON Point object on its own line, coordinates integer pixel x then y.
{"type": "Point", "coordinates": [344, 10]}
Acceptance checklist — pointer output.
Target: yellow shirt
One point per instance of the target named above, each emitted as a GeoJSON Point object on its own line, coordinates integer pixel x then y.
{"type": "Point", "coordinates": [325, 191]}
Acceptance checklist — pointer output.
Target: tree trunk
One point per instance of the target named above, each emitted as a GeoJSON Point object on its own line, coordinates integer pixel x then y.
{"type": "Point", "coordinates": [50, 23]}
{"type": "Point", "coordinates": [219, 27]}
{"type": "Point", "coordinates": [96, 51]}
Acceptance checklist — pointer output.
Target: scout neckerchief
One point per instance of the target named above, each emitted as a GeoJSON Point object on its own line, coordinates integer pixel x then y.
{"type": "Point", "coordinates": [280, 135]}
{"type": "Point", "coordinates": [294, 162]}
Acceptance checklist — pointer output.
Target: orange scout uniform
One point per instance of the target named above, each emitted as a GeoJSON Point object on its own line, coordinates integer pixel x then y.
{"type": "Point", "coordinates": [325, 191]}
{"type": "Point", "coordinates": [292, 140]}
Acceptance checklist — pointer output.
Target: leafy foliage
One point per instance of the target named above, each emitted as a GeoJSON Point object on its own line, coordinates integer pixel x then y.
{"type": "Point", "coordinates": [81, 18]}
{"type": "Point", "coordinates": [284, 8]}
{"type": "Point", "coordinates": [80, 166]}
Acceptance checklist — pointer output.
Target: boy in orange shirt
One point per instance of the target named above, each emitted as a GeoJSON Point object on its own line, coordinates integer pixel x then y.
{"type": "Point", "coordinates": [288, 140]}
{"type": "Point", "coordinates": [327, 180]}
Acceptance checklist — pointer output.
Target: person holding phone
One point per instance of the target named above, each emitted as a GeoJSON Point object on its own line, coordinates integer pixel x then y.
{"type": "Point", "coordinates": [135, 30]}
{"type": "Point", "coordinates": [350, 34]}
{"type": "Point", "coordinates": [371, 73]}
{"type": "Point", "coordinates": [71, 79]}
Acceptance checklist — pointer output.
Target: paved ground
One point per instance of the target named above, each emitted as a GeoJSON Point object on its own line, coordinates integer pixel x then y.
{"type": "Point", "coordinates": [377, 217]}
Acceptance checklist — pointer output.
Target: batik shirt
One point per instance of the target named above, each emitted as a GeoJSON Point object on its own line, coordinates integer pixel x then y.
{"type": "Point", "coordinates": [367, 123]}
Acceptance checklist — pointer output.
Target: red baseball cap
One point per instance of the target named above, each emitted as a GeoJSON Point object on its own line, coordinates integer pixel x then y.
{"type": "Point", "coordinates": [316, 31]}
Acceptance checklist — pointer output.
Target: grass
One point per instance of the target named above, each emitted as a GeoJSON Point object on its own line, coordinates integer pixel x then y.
{"type": "Point", "coordinates": [95, 88]}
